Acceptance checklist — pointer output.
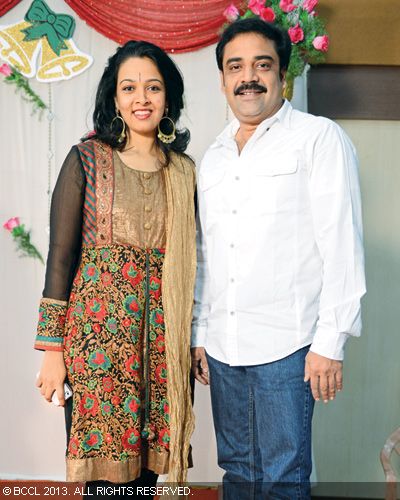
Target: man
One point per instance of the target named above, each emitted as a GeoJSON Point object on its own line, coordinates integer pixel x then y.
{"type": "Point", "coordinates": [279, 290]}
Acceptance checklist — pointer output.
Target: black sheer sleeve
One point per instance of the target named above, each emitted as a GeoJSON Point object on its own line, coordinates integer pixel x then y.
{"type": "Point", "coordinates": [65, 228]}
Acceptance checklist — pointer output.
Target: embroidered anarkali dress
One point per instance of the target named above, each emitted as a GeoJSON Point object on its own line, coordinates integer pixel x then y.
{"type": "Point", "coordinates": [117, 302]}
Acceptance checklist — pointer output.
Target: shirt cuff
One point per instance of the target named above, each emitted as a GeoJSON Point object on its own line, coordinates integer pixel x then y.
{"type": "Point", "coordinates": [50, 330]}
{"type": "Point", "coordinates": [198, 336]}
{"type": "Point", "coordinates": [329, 343]}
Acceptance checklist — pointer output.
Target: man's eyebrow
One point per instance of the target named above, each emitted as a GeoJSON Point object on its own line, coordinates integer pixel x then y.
{"type": "Point", "coordinates": [257, 58]}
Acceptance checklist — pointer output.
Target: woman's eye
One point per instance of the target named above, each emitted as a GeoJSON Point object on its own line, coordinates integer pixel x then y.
{"type": "Point", "coordinates": [154, 88]}
{"type": "Point", "coordinates": [128, 88]}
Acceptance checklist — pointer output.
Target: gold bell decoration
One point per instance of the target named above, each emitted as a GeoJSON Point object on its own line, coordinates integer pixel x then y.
{"type": "Point", "coordinates": [16, 51]}
{"type": "Point", "coordinates": [50, 34]}
{"type": "Point", "coordinates": [71, 62]}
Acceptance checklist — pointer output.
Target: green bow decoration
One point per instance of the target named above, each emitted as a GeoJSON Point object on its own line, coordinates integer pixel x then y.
{"type": "Point", "coordinates": [55, 27]}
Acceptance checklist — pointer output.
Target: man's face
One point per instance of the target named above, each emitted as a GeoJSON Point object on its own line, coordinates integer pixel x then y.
{"type": "Point", "coordinates": [250, 78]}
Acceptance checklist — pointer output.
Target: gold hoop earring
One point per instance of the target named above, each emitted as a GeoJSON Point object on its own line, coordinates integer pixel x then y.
{"type": "Point", "coordinates": [122, 135]}
{"type": "Point", "coordinates": [167, 138]}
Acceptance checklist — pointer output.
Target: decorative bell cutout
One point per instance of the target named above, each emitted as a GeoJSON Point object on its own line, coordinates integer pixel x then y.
{"type": "Point", "coordinates": [16, 51]}
{"type": "Point", "coordinates": [71, 62]}
{"type": "Point", "coordinates": [50, 33]}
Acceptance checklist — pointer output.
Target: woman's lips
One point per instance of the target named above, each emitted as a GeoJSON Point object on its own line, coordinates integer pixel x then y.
{"type": "Point", "coordinates": [142, 114]}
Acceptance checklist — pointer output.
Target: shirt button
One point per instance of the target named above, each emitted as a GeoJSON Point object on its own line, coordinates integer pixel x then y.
{"type": "Point", "coordinates": [147, 208]}
{"type": "Point", "coordinates": [148, 191]}
{"type": "Point", "coordinates": [147, 225]}
{"type": "Point", "coordinates": [146, 175]}
{"type": "Point", "coordinates": [232, 313]}
{"type": "Point", "coordinates": [237, 178]}
{"type": "Point", "coordinates": [232, 245]}
{"type": "Point", "coordinates": [234, 212]}
{"type": "Point", "coordinates": [232, 280]}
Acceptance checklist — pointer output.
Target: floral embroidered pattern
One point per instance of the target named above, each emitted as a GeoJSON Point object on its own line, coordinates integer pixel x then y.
{"type": "Point", "coordinates": [50, 332]}
{"type": "Point", "coordinates": [104, 349]}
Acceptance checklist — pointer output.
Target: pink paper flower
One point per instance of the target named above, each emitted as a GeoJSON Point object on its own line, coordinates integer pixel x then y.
{"type": "Point", "coordinates": [309, 5]}
{"type": "Point", "coordinates": [11, 223]}
{"type": "Point", "coordinates": [286, 5]}
{"type": "Point", "coordinates": [296, 34]}
{"type": "Point", "coordinates": [5, 69]}
{"type": "Point", "coordinates": [321, 43]}
{"type": "Point", "coordinates": [267, 14]}
{"type": "Point", "coordinates": [256, 6]}
{"type": "Point", "coordinates": [231, 12]}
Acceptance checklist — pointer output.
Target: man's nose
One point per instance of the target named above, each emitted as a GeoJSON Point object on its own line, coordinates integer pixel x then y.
{"type": "Point", "coordinates": [249, 75]}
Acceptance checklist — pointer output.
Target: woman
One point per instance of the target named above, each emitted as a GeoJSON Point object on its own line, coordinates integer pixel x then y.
{"type": "Point", "coordinates": [116, 308]}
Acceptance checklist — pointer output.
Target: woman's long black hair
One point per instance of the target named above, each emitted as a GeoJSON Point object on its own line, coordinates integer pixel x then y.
{"type": "Point", "coordinates": [104, 111]}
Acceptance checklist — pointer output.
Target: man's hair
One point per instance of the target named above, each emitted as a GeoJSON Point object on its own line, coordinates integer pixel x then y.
{"type": "Point", "coordinates": [280, 38]}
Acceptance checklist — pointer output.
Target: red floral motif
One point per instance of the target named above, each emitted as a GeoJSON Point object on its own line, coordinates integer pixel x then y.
{"type": "Point", "coordinates": [131, 272]}
{"type": "Point", "coordinates": [108, 384]}
{"type": "Point", "coordinates": [160, 343]}
{"type": "Point", "coordinates": [95, 308]}
{"type": "Point", "coordinates": [108, 438]}
{"type": "Point", "coordinates": [73, 446]}
{"type": "Point", "coordinates": [155, 287]}
{"type": "Point", "coordinates": [67, 342]}
{"type": "Point", "coordinates": [131, 439]}
{"type": "Point", "coordinates": [127, 322]}
{"type": "Point", "coordinates": [89, 404]}
{"type": "Point", "coordinates": [132, 364]}
{"type": "Point", "coordinates": [115, 400]}
{"type": "Point", "coordinates": [96, 328]}
{"type": "Point", "coordinates": [161, 373]}
{"type": "Point", "coordinates": [61, 320]}
{"type": "Point", "coordinates": [106, 279]}
{"type": "Point", "coordinates": [164, 438]}
{"type": "Point", "coordinates": [79, 365]}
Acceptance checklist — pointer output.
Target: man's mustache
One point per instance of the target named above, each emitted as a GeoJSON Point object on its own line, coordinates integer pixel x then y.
{"type": "Point", "coordinates": [250, 86]}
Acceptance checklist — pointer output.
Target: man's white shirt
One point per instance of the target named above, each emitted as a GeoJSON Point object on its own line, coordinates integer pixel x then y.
{"type": "Point", "coordinates": [281, 262]}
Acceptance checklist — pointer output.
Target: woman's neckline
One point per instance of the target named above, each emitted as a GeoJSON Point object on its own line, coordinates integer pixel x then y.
{"type": "Point", "coordinates": [136, 169]}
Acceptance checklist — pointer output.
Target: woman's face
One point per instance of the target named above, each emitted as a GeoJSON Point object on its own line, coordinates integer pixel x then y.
{"type": "Point", "coordinates": [140, 95]}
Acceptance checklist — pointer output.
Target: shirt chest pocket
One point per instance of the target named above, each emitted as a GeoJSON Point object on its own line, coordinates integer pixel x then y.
{"type": "Point", "coordinates": [276, 186]}
{"type": "Point", "coordinates": [211, 187]}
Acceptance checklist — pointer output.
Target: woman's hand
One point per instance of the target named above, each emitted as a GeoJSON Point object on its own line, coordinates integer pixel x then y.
{"type": "Point", "coordinates": [52, 376]}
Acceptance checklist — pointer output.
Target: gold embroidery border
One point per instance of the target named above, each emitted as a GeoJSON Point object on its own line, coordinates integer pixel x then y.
{"type": "Point", "coordinates": [104, 192]}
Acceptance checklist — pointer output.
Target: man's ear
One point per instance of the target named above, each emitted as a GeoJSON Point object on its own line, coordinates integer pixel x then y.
{"type": "Point", "coordinates": [222, 80]}
{"type": "Point", "coordinates": [283, 74]}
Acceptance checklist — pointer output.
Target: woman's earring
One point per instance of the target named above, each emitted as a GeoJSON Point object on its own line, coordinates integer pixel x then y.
{"type": "Point", "coordinates": [122, 135]}
{"type": "Point", "coordinates": [170, 136]}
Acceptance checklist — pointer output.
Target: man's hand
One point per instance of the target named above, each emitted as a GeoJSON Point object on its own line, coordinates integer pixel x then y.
{"type": "Point", "coordinates": [325, 376]}
{"type": "Point", "coordinates": [200, 365]}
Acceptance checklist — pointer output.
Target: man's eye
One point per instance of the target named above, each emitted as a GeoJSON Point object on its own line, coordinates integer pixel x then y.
{"type": "Point", "coordinates": [264, 65]}
{"type": "Point", "coordinates": [235, 67]}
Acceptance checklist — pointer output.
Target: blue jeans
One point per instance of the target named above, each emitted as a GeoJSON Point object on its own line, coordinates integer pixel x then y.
{"type": "Point", "coordinates": [262, 419]}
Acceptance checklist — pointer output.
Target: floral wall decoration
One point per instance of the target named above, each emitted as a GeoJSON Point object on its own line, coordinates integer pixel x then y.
{"type": "Point", "coordinates": [299, 18]}
{"type": "Point", "coordinates": [22, 238]}
{"type": "Point", "coordinates": [41, 45]}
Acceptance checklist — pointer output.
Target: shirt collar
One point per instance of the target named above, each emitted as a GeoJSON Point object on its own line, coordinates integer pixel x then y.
{"type": "Point", "coordinates": [282, 115]}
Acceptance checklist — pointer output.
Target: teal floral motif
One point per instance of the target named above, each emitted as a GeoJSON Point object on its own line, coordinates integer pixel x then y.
{"type": "Point", "coordinates": [135, 332]}
{"type": "Point", "coordinates": [106, 408]}
{"type": "Point", "coordinates": [123, 456]}
{"type": "Point", "coordinates": [99, 359]}
{"type": "Point", "coordinates": [90, 272]}
{"type": "Point", "coordinates": [43, 317]}
{"type": "Point", "coordinates": [92, 384]}
{"type": "Point", "coordinates": [112, 325]}
{"type": "Point", "coordinates": [113, 267]}
{"type": "Point", "coordinates": [111, 308]}
{"type": "Point", "coordinates": [131, 306]}
{"type": "Point", "coordinates": [78, 310]}
{"type": "Point", "coordinates": [93, 254]}
{"type": "Point", "coordinates": [157, 318]}
{"type": "Point", "coordinates": [152, 336]}
{"type": "Point", "coordinates": [158, 252]}
{"type": "Point", "coordinates": [87, 328]}
{"type": "Point", "coordinates": [164, 410]}
{"type": "Point", "coordinates": [132, 406]}
{"type": "Point", "coordinates": [92, 440]}
{"type": "Point", "coordinates": [105, 254]}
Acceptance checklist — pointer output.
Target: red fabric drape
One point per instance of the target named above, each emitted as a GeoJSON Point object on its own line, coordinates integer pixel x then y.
{"type": "Point", "coordinates": [174, 25]}
{"type": "Point", "coordinates": [6, 5]}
